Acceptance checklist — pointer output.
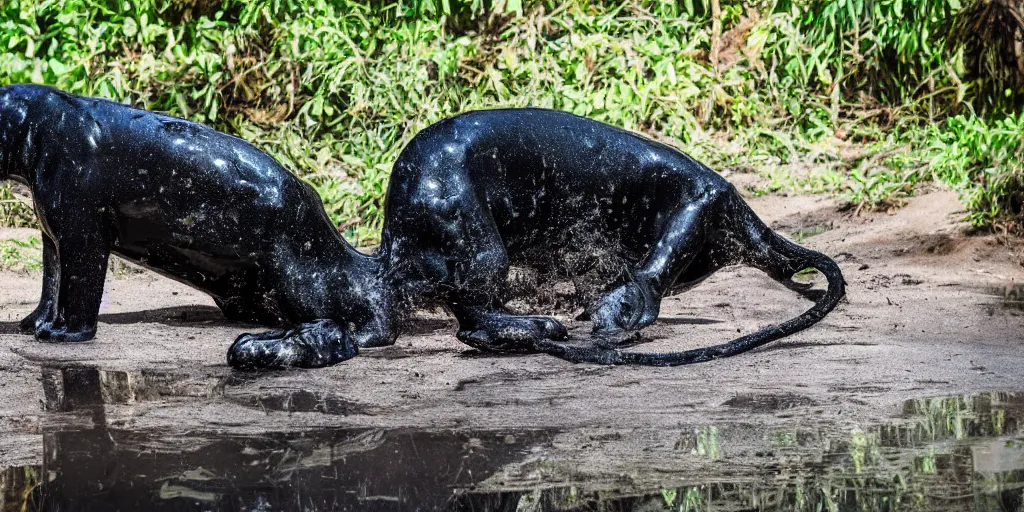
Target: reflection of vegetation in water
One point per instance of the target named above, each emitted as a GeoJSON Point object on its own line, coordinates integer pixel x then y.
{"type": "Point", "coordinates": [703, 442]}
{"type": "Point", "coordinates": [951, 454]}
{"type": "Point", "coordinates": [669, 495]}
{"type": "Point", "coordinates": [707, 443]}
{"type": "Point", "coordinates": [958, 453]}
{"type": "Point", "coordinates": [16, 486]}
{"type": "Point", "coordinates": [692, 498]}
{"type": "Point", "coordinates": [926, 463]}
{"type": "Point", "coordinates": [963, 417]}
{"type": "Point", "coordinates": [864, 450]}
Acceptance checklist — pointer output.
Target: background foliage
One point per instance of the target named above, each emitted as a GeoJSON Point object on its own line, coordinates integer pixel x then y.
{"type": "Point", "coordinates": [862, 98]}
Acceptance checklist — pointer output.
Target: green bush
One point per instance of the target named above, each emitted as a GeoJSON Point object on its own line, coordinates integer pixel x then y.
{"type": "Point", "coordinates": [984, 159]}
{"type": "Point", "coordinates": [334, 89]}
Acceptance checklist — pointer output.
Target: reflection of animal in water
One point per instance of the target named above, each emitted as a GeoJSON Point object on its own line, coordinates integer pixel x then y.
{"type": "Point", "coordinates": [104, 464]}
{"type": "Point", "coordinates": [474, 194]}
{"type": "Point", "coordinates": [196, 205]}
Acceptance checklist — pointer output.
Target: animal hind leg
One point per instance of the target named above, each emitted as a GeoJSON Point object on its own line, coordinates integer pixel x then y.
{"type": "Point", "coordinates": [477, 297]}
{"type": "Point", "coordinates": [494, 328]}
{"type": "Point", "coordinates": [463, 251]}
{"type": "Point", "coordinates": [636, 304]}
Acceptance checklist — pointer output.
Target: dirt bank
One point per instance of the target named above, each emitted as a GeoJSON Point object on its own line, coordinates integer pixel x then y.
{"type": "Point", "coordinates": [927, 315]}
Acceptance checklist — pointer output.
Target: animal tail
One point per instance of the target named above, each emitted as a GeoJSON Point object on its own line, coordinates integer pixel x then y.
{"type": "Point", "coordinates": [777, 257]}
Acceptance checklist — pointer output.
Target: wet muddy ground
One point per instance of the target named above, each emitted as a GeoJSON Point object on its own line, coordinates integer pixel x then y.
{"type": "Point", "coordinates": [910, 396]}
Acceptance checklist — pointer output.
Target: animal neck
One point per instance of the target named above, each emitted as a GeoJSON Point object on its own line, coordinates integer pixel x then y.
{"type": "Point", "coordinates": [363, 291]}
{"type": "Point", "coordinates": [353, 265]}
{"type": "Point", "coordinates": [350, 257]}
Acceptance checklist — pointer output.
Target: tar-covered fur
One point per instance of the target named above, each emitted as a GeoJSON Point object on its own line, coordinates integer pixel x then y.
{"type": "Point", "coordinates": [473, 194]}
{"type": "Point", "coordinates": [196, 205]}
{"type": "Point", "coordinates": [469, 197]}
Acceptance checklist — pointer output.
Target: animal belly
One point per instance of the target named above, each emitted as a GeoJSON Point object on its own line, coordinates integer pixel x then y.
{"type": "Point", "coordinates": [565, 260]}
{"type": "Point", "coordinates": [218, 275]}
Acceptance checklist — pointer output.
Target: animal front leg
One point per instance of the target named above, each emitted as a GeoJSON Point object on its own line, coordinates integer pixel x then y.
{"type": "Point", "coordinates": [484, 323]}
{"type": "Point", "coordinates": [636, 304]}
{"type": "Point", "coordinates": [46, 309]}
{"type": "Point", "coordinates": [459, 250]}
{"type": "Point", "coordinates": [82, 253]}
{"type": "Point", "coordinates": [498, 330]}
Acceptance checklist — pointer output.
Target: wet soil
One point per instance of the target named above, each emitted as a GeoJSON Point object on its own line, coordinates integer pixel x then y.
{"type": "Point", "coordinates": [907, 396]}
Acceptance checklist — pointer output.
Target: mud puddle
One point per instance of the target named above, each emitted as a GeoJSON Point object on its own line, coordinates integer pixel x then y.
{"type": "Point", "coordinates": [946, 453]}
{"type": "Point", "coordinates": [89, 464]}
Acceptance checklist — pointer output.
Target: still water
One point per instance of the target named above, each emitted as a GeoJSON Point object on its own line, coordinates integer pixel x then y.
{"type": "Point", "coordinates": [944, 453]}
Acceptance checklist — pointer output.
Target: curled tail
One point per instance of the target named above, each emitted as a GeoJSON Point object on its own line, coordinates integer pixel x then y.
{"type": "Point", "coordinates": [780, 259]}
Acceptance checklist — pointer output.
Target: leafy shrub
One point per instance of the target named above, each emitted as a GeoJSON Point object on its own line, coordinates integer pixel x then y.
{"type": "Point", "coordinates": [334, 88]}
{"type": "Point", "coordinates": [985, 160]}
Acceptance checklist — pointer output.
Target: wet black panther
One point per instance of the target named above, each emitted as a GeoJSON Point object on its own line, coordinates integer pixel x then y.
{"type": "Point", "coordinates": [473, 194]}
{"type": "Point", "coordinates": [196, 205]}
{"type": "Point", "coordinates": [468, 197]}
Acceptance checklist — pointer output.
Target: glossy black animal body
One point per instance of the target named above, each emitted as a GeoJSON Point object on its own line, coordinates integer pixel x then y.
{"type": "Point", "coordinates": [468, 197]}
{"type": "Point", "coordinates": [473, 194]}
{"type": "Point", "coordinates": [199, 206]}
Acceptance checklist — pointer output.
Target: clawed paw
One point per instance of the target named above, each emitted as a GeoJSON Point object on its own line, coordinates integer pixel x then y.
{"type": "Point", "coordinates": [51, 332]}
{"type": "Point", "coordinates": [509, 333]}
{"type": "Point", "coordinates": [626, 308]}
{"type": "Point", "coordinates": [313, 345]}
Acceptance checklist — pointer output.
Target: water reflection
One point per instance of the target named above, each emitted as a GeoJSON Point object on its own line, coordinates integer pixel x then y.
{"type": "Point", "coordinates": [327, 470]}
{"type": "Point", "coordinates": [89, 465]}
{"type": "Point", "coordinates": [302, 400]}
{"type": "Point", "coordinates": [955, 453]}
{"type": "Point", "coordinates": [72, 387]}
{"type": "Point", "coordinates": [1012, 294]}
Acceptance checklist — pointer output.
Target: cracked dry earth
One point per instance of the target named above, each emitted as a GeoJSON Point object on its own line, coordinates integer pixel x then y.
{"type": "Point", "coordinates": [908, 395]}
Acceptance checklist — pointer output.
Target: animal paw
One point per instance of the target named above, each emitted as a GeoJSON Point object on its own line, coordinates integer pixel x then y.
{"type": "Point", "coordinates": [377, 332]}
{"type": "Point", "coordinates": [510, 333]}
{"type": "Point", "coordinates": [313, 345]}
{"type": "Point", "coordinates": [51, 332]}
{"type": "Point", "coordinates": [30, 323]}
{"type": "Point", "coordinates": [627, 308]}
